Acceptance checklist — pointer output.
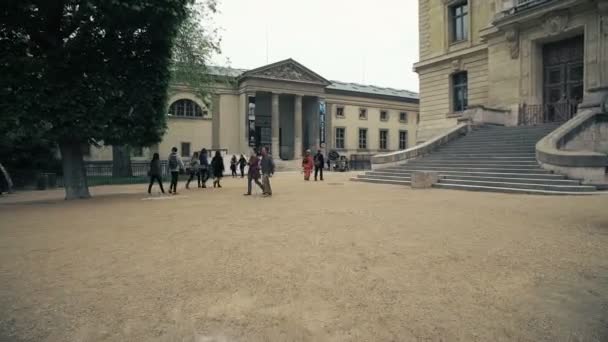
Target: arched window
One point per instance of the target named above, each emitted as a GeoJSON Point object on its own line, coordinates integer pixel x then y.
{"type": "Point", "coordinates": [187, 108]}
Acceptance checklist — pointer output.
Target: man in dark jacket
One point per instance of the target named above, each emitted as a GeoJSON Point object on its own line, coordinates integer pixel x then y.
{"type": "Point", "coordinates": [319, 164]}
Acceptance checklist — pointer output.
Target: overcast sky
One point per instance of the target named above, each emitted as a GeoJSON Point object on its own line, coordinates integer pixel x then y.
{"type": "Point", "coordinates": [371, 42]}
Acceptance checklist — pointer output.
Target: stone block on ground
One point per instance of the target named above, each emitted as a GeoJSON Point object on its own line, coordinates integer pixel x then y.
{"type": "Point", "coordinates": [424, 179]}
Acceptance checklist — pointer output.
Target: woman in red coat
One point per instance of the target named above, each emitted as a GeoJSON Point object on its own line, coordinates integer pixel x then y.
{"type": "Point", "coordinates": [307, 165]}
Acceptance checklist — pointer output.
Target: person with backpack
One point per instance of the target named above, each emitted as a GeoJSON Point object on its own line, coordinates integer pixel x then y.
{"type": "Point", "coordinates": [319, 164]}
{"type": "Point", "coordinates": [217, 165]}
{"type": "Point", "coordinates": [194, 170]}
{"type": "Point", "coordinates": [155, 173]}
{"type": "Point", "coordinates": [233, 162]}
{"type": "Point", "coordinates": [175, 165]}
{"type": "Point", "coordinates": [242, 163]}
{"type": "Point", "coordinates": [204, 167]}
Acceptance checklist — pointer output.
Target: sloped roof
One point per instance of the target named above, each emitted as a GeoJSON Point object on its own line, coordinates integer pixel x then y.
{"type": "Point", "coordinates": [337, 86]}
{"type": "Point", "coordinates": [371, 89]}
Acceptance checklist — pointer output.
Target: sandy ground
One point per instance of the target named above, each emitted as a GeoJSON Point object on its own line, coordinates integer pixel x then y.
{"type": "Point", "coordinates": [331, 261]}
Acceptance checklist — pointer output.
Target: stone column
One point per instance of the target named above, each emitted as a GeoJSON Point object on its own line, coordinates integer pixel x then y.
{"type": "Point", "coordinates": [297, 127]}
{"type": "Point", "coordinates": [276, 148]}
{"type": "Point", "coordinates": [314, 143]}
{"type": "Point", "coordinates": [596, 63]}
{"type": "Point", "coordinates": [215, 123]}
{"type": "Point", "coordinates": [243, 135]}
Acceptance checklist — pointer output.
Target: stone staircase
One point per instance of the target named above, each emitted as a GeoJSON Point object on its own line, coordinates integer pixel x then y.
{"type": "Point", "coordinates": [491, 158]}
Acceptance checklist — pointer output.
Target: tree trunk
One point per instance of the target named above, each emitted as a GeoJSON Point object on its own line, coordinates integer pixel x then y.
{"type": "Point", "coordinates": [74, 173]}
{"type": "Point", "coordinates": [121, 161]}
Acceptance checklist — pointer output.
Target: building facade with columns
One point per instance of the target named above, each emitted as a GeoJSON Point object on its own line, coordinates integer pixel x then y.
{"type": "Point", "coordinates": [288, 108]}
{"type": "Point", "coordinates": [504, 60]}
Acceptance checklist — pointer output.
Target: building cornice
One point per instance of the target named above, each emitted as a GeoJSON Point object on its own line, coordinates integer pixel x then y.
{"type": "Point", "coordinates": [449, 56]}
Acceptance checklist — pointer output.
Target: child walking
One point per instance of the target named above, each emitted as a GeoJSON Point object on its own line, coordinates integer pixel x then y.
{"type": "Point", "coordinates": [217, 164]}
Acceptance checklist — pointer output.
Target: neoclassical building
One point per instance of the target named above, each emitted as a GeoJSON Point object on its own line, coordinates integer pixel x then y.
{"type": "Point", "coordinates": [509, 61]}
{"type": "Point", "coordinates": [288, 108]}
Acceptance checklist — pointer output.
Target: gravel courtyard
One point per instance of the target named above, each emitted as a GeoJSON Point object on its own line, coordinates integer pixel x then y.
{"type": "Point", "coordinates": [331, 261]}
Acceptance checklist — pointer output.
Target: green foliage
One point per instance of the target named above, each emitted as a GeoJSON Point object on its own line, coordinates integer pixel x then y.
{"type": "Point", "coordinates": [81, 71]}
{"type": "Point", "coordinates": [194, 45]}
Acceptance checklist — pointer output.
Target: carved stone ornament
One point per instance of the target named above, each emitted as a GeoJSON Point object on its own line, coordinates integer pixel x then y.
{"type": "Point", "coordinates": [556, 23]}
{"type": "Point", "coordinates": [512, 36]}
{"type": "Point", "coordinates": [287, 72]}
{"type": "Point", "coordinates": [456, 65]}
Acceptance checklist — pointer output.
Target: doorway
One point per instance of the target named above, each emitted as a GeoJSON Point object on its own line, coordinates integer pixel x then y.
{"type": "Point", "coordinates": [563, 74]}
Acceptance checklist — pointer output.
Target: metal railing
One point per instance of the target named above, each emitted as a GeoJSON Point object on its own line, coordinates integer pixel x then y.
{"type": "Point", "coordinates": [543, 113]}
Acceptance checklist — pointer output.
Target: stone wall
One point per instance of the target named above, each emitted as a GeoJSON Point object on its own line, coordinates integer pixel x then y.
{"type": "Point", "coordinates": [592, 137]}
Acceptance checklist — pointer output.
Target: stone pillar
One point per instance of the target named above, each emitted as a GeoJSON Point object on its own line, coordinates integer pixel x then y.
{"type": "Point", "coordinates": [276, 148]}
{"type": "Point", "coordinates": [297, 127]}
{"type": "Point", "coordinates": [329, 129]}
{"type": "Point", "coordinates": [243, 134]}
{"type": "Point", "coordinates": [596, 63]}
{"type": "Point", "coordinates": [314, 143]}
{"type": "Point", "coordinates": [215, 123]}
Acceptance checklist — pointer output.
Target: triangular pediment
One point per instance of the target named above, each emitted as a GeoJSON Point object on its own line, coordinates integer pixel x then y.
{"type": "Point", "coordinates": [287, 70]}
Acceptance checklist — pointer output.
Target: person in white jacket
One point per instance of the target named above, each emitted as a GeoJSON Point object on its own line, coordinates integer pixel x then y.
{"type": "Point", "coordinates": [175, 165]}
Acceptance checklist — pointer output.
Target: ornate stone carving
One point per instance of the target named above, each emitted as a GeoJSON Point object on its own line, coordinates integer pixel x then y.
{"type": "Point", "coordinates": [456, 65]}
{"type": "Point", "coordinates": [512, 36]}
{"type": "Point", "coordinates": [556, 23]}
{"type": "Point", "coordinates": [287, 72]}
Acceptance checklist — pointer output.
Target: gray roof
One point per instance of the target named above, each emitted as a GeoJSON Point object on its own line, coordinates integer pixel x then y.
{"type": "Point", "coordinates": [223, 71]}
{"type": "Point", "coordinates": [335, 85]}
{"type": "Point", "coordinates": [371, 89]}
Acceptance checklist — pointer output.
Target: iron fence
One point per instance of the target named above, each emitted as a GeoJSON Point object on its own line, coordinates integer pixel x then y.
{"type": "Point", "coordinates": [542, 113]}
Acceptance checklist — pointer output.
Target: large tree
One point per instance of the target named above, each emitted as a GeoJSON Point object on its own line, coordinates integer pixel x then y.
{"type": "Point", "coordinates": [86, 71]}
{"type": "Point", "coordinates": [196, 41]}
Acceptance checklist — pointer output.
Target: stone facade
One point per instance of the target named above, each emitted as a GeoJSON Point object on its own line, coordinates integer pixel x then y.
{"type": "Point", "coordinates": [280, 105]}
{"type": "Point", "coordinates": [503, 55]}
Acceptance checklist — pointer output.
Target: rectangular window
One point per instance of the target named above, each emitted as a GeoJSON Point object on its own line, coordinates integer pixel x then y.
{"type": "Point", "coordinates": [403, 140]}
{"type": "Point", "coordinates": [460, 91]}
{"type": "Point", "coordinates": [383, 139]}
{"type": "Point", "coordinates": [383, 115]}
{"type": "Point", "coordinates": [340, 112]}
{"type": "Point", "coordinates": [403, 117]}
{"type": "Point", "coordinates": [185, 149]}
{"type": "Point", "coordinates": [362, 113]}
{"type": "Point", "coordinates": [459, 21]}
{"type": "Point", "coordinates": [362, 138]}
{"type": "Point", "coordinates": [340, 134]}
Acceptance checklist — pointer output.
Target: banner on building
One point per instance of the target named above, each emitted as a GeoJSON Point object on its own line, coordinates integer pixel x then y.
{"type": "Point", "coordinates": [251, 120]}
{"type": "Point", "coordinates": [322, 122]}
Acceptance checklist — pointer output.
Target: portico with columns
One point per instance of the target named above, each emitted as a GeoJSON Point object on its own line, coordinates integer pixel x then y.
{"type": "Point", "coordinates": [279, 108]}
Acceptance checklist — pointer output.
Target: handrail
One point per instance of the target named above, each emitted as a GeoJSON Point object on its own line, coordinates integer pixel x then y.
{"type": "Point", "coordinates": [548, 148]}
{"type": "Point", "coordinates": [386, 159]}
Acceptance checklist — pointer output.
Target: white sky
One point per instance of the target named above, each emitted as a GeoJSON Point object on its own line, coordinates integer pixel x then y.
{"type": "Point", "coordinates": [370, 42]}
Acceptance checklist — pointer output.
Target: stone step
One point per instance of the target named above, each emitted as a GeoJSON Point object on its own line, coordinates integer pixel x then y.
{"type": "Point", "coordinates": [485, 149]}
{"type": "Point", "coordinates": [379, 176]}
{"type": "Point", "coordinates": [485, 155]}
{"type": "Point", "coordinates": [473, 169]}
{"type": "Point", "coordinates": [449, 160]}
{"type": "Point", "coordinates": [493, 144]}
{"type": "Point", "coordinates": [381, 181]}
{"type": "Point", "coordinates": [510, 190]}
{"type": "Point", "coordinates": [474, 174]}
{"type": "Point", "coordinates": [423, 163]}
{"type": "Point", "coordinates": [508, 179]}
{"type": "Point", "coordinates": [517, 185]}
{"type": "Point", "coordinates": [435, 156]}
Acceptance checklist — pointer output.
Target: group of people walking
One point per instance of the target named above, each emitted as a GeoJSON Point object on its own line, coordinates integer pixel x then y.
{"type": "Point", "coordinates": [261, 165]}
